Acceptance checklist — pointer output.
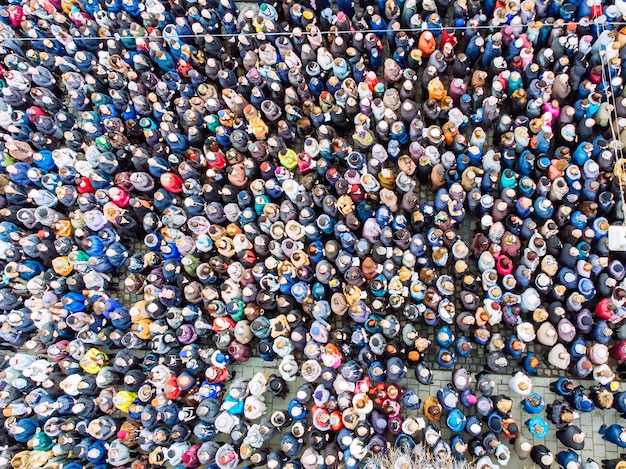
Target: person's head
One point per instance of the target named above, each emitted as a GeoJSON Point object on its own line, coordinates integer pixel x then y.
{"type": "Point", "coordinates": [534, 401]}
{"type": "Point", "coordinates": [414, 355]}
{"type": "Point", "coordinates": [547, 459]}
{"type": "Point", "coordinates": [605, 399]}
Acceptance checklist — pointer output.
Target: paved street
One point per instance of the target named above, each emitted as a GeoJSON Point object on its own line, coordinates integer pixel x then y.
{"type": "Point", "coordinates": [595, 446]}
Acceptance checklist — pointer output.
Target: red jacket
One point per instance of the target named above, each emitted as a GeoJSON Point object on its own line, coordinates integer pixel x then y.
{"type": "Point", "coordinates": [618, 351]}
{"type": "Point", "coordinates": [447, 38]}
{"type": "Point", "coordinates": [603, 310]}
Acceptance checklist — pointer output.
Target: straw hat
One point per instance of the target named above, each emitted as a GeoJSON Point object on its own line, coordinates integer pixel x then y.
{"type": "Point", "coordinates": [435, 135]}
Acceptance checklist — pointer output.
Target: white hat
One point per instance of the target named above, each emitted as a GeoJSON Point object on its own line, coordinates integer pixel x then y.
{"type": "Point", "coordinates": [526, 332]}
{"type": "Point", "coordinates": [475, 428]}
{"type": "Point", "coordinates": [225, 422]}
{"type": "Point", "coordinates": [600, 353]}
{"type": "Point", "coordinates": [258, 384]}
{"type": "Point", "coordinates": [311, 370]}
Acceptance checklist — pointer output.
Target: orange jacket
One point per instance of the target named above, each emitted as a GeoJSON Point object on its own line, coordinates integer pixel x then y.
{"type": "Point", "coordinates": [427, 43]}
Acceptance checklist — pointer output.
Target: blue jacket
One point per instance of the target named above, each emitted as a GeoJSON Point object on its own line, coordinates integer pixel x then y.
{"type": "Point", "coordinates": [563, 458]}
{"type": "Point", "coordinates": [532, 408]}
{"type": "Point", "coordinates": [615, 434]}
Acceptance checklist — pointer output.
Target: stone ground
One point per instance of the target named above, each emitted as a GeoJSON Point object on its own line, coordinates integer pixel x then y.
{"type": "Point", "coordinates": [595, 446]}
{"type": "Point", "coordinates": [590, 423]}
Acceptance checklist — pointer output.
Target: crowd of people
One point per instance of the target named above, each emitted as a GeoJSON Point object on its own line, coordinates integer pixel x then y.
{"type": "Point", "coordinates": [269, 162]}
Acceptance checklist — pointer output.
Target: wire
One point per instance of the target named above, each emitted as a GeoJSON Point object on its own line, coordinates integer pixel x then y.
{"type": "Point", "coordinates": [315, 33]}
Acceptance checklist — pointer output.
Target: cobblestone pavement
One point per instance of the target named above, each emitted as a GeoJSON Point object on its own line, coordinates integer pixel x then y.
{"type": "Point", "coordinates": [590, 423]}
